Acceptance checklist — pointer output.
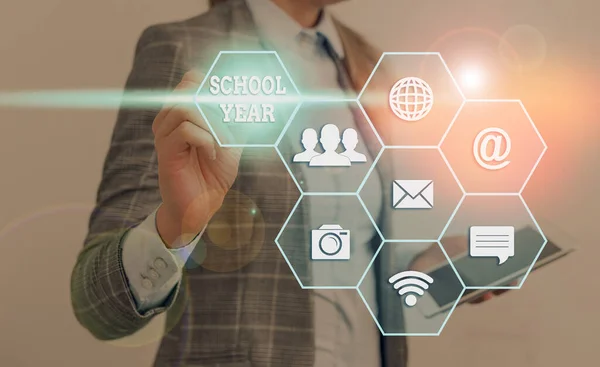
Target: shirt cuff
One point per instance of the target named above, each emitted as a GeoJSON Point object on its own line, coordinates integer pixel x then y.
{"type": "Point", "coordinates": [153, 270]}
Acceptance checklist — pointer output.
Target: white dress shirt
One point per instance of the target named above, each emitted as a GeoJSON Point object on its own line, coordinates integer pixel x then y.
{"type": "Point", "coordinates": [345, 333]}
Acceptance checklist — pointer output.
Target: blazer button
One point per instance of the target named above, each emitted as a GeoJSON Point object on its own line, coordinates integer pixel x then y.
{"type": "Point", "coordinates": [153, 274]}
{"type": "Point", "coordinates": [160, 263]}
{"type": "Point", "coordinates": [147, 283]}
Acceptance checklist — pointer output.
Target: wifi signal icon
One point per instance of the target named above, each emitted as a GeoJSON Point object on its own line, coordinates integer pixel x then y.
{"type": "Point", "coordinates": [411, 283]}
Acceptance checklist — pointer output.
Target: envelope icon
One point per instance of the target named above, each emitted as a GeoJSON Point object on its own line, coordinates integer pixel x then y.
{"type": "Point", "coordinates": [412, 194]}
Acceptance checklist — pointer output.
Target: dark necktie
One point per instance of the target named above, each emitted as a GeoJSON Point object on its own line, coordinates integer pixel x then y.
{"type": "Point", "coordinates": [343, 76]}
{"type": "Point", "coordinates": [346, 85]}
{"type": "Point", "coordinates": [397, 353]}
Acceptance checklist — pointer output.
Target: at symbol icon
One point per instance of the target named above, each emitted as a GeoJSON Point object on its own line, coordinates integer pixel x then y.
{"type": "Point", "coordinates": [496, 158]}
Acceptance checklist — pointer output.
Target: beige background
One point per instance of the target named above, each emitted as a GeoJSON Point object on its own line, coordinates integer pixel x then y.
{"type": "Point", "coordinates": [50, 163]}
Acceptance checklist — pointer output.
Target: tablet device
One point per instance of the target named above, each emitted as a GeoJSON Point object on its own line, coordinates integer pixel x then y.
{"type": "Point", "coordinates": [440, 296]}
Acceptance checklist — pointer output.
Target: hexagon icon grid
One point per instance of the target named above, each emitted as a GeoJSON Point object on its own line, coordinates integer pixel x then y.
{"type": "Point", "coordinates": [493, 146]}
{"type": "Point", "coordinates": [503, 241]}
{"type": "Point", "coordinates": [399, 119]}
{"type": "Point", "coordinates": [247, 98]}
{"type": "Point", "coordinates": [403, 310]}
{"type": "Point", "coordinates": [411, 97]}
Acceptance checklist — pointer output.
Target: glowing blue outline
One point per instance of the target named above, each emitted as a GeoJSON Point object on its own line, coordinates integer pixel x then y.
{"type": "Point", "coordinates": [379, 326]}
{"type": "Point", "coordinates": [293, 177]}
{"type": "Point", "coordinates": [411, 146]}
{"type": "Point", "coordinates": [526, 274]}
{"type": "Point", "coordinates": [373, 222]}
{"type": "Point", "coordinates": [291, 80]}
{"type": "Point", "coordinates": [392, 53]}
{"type": "Point", "coordinates": [541, 234]}
{"type": "Point", "coordinates": [445, 159]}
{"type": "Point", "coordinates": [285, 127]}
{"type": "Point", "coordinates": [366, 116]}
{"type": "Point", "coordinates": [451, 123]}
{"type": "Point", "coordinates": [330, 193]}
{"type": "Point", "coordinates": [301, 99]}
{"type": "Point", "coordinates": [375, 254]}
{"type": "Point", "coordinates": [362, 279]}
{"type": "Point", "coordinates": [535, 129]}
{"type": "Point", "coordinates": [360, 187]}
{"type": "Point", "coordinates": [376, 160]}
{"type": "Point", "coordinates": [491, 193]}
{"type": "Point", "coordinates": [367, 173]}
{"type": "Point", "coordinates": [451, 217]}
{"type": "Point", "coordinates": [327, 100]}
{"type": "Point", "coordinates": [277, 242]}
{"type": "Point", "coordinates": [460, 91]}
{"type": "Point", "coordinates": [541, 154]}
{"type": "Point", "coordinates": [492, 100]}
{"type": "Point", "coordinates": [279, 235]}
{"type": "Point", "coordinates": [373, 166]}
{"type": "Point", "coordinates": [439, 55]}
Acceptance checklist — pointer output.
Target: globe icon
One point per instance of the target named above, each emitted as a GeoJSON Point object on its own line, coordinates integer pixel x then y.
{"type": "Point", "coordinates": [411, 99]}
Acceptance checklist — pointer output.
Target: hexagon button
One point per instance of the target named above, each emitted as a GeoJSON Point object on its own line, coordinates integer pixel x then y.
{"type": "Point", "coordinates": [493, 241]}
{"type": "Point", "coordinates": [334, 247]}
{"type": "Point", "coordinates": [413, 298]}
{"type": "Point", "coordinates": [419, 190]}
{"type": "Point", "coordinates": [327, 149]}
{"type": "Point", "coordinates": [247, 98]}
{"type": "Point", "coordinates": [493, 146]}
{"type": "Point", "coordinates": [411, 98]}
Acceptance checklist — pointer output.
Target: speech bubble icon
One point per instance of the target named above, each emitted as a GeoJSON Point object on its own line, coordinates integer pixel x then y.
{"type": "Point", "coordinates": [492, 241]}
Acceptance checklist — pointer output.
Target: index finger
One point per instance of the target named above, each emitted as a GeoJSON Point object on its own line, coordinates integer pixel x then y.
{"type": "Point", "coordinates": [188, 86]}
{"type": "Point", "coordinates": [193, 76]}
{"type": "Point", "coordinates": [191, 82]}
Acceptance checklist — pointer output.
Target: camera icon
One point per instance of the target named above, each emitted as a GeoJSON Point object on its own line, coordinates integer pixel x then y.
{"type": "Point", "coordinates": [330, 242]}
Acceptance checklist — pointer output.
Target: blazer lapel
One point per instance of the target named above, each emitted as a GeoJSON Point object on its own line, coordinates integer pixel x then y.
{"type": "Point", "coordinates": [361, 59]}
{"type": "Point", "coordinates": [243, 35]}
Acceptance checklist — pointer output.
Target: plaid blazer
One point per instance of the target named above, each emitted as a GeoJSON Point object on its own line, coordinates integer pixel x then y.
{"type": "Point", "coordinates": [242, 306]}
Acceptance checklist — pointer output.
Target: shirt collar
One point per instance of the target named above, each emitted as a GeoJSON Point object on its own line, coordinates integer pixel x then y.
{"type": "Point", "coordinates": [277, 28]}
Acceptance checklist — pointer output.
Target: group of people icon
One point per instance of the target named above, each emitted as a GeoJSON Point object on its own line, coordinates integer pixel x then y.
{"type": "Point", "coordinates": [330, 141]}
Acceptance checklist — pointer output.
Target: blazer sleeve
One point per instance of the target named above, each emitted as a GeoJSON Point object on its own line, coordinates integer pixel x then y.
{"type": "Point", "coordinates": [100, 295]}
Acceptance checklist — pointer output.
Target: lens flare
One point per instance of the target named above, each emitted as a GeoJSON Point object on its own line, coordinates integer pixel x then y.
{"type": "Point", "coordinates": [528, 42]}
{"type": "Point", "coordinates": [472, 78]}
